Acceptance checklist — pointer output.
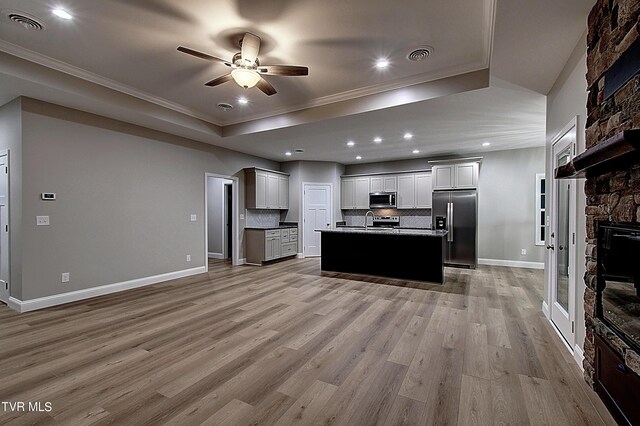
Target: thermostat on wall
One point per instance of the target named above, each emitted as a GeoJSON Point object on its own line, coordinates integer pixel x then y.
{"type": "Point", "coordinates": [48, 196]}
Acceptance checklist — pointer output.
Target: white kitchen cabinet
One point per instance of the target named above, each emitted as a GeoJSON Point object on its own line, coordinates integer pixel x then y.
{"type": "Point", "coordinates": [362, 193]}
{"type": "Point", "coordinates": [384, 183]}
{"type": "Point", "coordinates": [455, 176]}
{"type": "Point", "coordinates": [265, 189]}
{"type": "Point", "coordinates": [283, 192]}
{"type": "Point", "coordinates": [263, 245]}
{"type": "Point", "coordinates": [424, 190]}
{"type": "Point", "coordinates": [406, 196]}
{"type": "Point", "coordinates": [355, 193]}
{"type": "Point", "coordinates": [466, 175]}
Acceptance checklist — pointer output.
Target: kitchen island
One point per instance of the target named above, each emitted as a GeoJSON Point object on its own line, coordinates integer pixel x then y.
{"type": "Point", "coordinates": [412, 254]}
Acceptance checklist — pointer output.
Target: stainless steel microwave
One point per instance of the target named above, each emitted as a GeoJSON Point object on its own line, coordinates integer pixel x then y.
{"type": "Point", "coordinates": [382, 200]}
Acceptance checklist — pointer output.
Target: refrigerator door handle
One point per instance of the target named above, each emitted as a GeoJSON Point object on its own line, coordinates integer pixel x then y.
{"type": "Point", "coordinates": [450, 222]}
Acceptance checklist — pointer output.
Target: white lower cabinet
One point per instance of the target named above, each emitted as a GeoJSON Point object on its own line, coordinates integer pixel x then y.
{"type": "Point", "coordinates": [270, 244]}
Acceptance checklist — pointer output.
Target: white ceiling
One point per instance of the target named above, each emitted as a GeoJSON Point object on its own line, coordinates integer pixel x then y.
{"type": "Point", "coordinates": [126, 47]}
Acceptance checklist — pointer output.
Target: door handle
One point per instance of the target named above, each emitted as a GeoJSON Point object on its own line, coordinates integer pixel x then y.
{"type": "Point", "coordinates": [550, 247]}
{"type": "Point", "coordinates": [560, 247]}
{"type": "Point", "coordinates": [450, 222]}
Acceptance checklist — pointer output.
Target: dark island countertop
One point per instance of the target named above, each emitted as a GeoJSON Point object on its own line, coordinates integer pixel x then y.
{"type": "Point", "coordinates": [267, 228]}
{"type": "Point", "coordinates": [386, 231]}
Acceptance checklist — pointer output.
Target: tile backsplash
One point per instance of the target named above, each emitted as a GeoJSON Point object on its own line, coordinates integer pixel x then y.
{"type": "Point", "coordinates": [409, 218]}
{"type": "Point", "coordinates": [262, 217]}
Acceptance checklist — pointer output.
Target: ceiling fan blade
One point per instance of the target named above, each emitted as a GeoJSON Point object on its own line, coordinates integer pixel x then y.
{"type": "Point", "coordinates": [250, 48]}
{"type": "Point", "coordinates": [266, 87]}
{"type": "Point", "coordinates": [202, 55]}
{"type": "Point", "coordinates": [219, 80]}
{"type": "Point", "coordinates": [288, 70]}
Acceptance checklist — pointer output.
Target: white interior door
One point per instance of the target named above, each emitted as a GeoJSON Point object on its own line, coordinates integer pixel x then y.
{"type": "Point", "coordinates": [562, 242]}
{"type": "Point", "coordinates": [316, 215]}
{"type": "Point", "coordinates": [4, 227]}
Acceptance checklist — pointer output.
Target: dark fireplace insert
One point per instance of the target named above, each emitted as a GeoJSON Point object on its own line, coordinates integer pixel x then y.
{"type": "Point", "coordinates": [618, 296]}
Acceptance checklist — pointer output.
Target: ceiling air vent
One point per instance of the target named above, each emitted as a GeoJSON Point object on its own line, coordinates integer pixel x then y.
{"type": "Point", "coordinates": [224, 106]}
{"type": "Point", "coordinates": [420, 53]}
{"type": "Point", "coordinates": [25, 20]}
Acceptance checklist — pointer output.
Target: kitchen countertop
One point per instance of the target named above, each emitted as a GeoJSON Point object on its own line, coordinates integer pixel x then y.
{"type": "Point", "coordinates": [386, 231]}
{"type": "Point", "coordinates": [266, 228]}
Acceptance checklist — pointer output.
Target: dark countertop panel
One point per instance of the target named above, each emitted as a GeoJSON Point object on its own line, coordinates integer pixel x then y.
{"type": "Point", "coordinates": [266, 228]}
{"type": "Point", "coordinates": [384, 231]}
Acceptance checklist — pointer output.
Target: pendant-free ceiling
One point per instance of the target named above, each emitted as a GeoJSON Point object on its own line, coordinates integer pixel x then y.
{"type": "Point", "coordinates": [247, 71]}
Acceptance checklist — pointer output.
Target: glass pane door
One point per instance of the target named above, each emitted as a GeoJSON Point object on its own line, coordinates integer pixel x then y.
{"type": "Point", "coordinates": [563, 235]}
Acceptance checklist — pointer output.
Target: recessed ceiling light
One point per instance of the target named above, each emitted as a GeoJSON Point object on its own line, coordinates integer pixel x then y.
{"type": "Point", "coordinates": [416, 151]}
{"type": "Point", "coordinates": [486, 144]}
{"type": "Point", "coordinates": [351, 143]}
{"type": "Point", "coordinates": [377, 139]}
{"type": "Point", "coordinates": [382, 63]}
{"type": "Point", "coordinates": [358, 158]}
{"type": "Point", "coordinates": [243, 101]}
{"type": "Point", "coordinates": [61, 13]}
{"type": "Point", "coordinates": [408, 136]}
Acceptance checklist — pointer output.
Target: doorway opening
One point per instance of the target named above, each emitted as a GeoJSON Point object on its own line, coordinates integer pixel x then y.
{"type": "Point", "coordinates": [316, 214]}
{"type": "Point", "coordinates": [221, 223]}
{"type": "Point", "coordinates": [4, 227]}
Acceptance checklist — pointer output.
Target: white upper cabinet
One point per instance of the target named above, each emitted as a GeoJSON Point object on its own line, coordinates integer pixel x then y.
{"type": "Point", "coordinates": [424, 190]}
{"type": "Point", "coordinates": [283, 192]}
{"type": "Point", "coordinates": [384, 183]}
{"type": "Point", "coordinates": [266, 190]}
{"type": "Point", "coordinates": [406, 197]}
{"type": "Point", "coordinates": [355, 193]}
{"type": "Point", "coordinates": [455, 176]}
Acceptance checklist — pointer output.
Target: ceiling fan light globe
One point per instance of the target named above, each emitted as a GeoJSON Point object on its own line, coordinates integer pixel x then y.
{"type": "Point", "coordinates": [245, 78]}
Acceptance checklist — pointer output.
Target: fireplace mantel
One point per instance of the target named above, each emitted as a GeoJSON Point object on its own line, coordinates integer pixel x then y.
{"type": "Point", "coordinates": [613, 154]}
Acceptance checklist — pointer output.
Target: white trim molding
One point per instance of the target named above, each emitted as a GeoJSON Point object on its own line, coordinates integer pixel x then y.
{"type": "Point", "coordinates": [300, 256]}
{"type": "Point", "coordinates": [511, 263]}
{"type": "Point", "coordinates": [74, 296]}
{"type": "Point", "coordinates": [578, 355]}
{"type": "Point", "coordinates": [211, 255]}
{"type": "Point", "coordinates": [545, 309]}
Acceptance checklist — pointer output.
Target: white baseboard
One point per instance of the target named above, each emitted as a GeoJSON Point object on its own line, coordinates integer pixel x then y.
{"type": "Point", "coordinates": [545, 309]}
{"type": "Point", "coordinates": [211, 255]}
{"type": "Point", "coordinates": [74, 296]}
{"type": "Point", "coordinates": [242, 261]}
{"type": "Point", "coordinates": [511, 263]}
{"type": "Point", "coordinates": [578, 355]}
{"type": "Point", "coordinates": [300, 256]}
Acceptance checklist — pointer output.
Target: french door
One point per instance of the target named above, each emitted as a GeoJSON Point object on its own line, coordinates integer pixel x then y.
{"type": "Point", "coordinates": [562, 241]}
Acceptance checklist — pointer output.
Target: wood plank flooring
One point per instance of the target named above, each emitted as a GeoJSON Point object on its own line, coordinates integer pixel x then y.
{"type": "Point", "coordinates": [287, 344]}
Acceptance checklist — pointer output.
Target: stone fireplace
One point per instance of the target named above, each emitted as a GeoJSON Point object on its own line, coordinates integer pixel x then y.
{"type": "Point", "coordinates": [612, 194]}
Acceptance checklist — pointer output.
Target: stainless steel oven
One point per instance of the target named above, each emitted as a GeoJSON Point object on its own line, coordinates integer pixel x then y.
{"type": "Point", "coordinates": [382, 200]}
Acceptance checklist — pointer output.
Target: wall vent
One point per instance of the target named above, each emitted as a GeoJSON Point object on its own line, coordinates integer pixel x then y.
{"type": "Point", "coordinates": [420, 53]}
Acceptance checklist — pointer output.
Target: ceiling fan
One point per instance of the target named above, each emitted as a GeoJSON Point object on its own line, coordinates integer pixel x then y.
{"type": "Point", "coordinates": [246, 68]}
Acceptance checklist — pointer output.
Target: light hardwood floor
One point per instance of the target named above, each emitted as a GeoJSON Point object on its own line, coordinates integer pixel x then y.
{"type": "Point", "coordinates": [286, 344]}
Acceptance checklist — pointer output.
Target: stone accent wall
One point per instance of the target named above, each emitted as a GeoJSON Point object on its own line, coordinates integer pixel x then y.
{"type": "Point", "coordinates": [613, 26]}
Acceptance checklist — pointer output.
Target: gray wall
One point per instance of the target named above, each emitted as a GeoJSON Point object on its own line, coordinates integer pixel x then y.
{"type": "Point", "coordinates": [215, 214]}
{"type": "Point", "coordinates": [506, 205]}
{"type": "Point", "coordinates": [125, 194]}
{"type": "Point", "coordinates": [10, 138]}
{"type": "Point", "coordinates": [566, 100]}
{"type": "Point", "coordinates": [388, 166]}
{"type": "Point", "coordinates": [310, 172]}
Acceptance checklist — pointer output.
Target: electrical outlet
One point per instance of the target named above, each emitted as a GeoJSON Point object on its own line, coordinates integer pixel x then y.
{"type": "Point", "coordinates": [42, 220]}
{"type": "Point", "coordinates": [65, 277]}
{"type": "Point", "coordinates": [523, 252]}
{"type": "Point", "coordinates": [193, 218]}
{"type": "Point", "coordinates": [188, 258]}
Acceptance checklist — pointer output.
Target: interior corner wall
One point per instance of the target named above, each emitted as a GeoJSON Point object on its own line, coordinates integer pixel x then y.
{"type": "Point", "coordinates": [506, 205]}
{"type": "Point", "coordinates": [11, 139]}
{"type": "Point", "coordinates": [124, 199]}
{"type": "Point", "coordinates": [566, 101]}
{"type": "Point", "coordinates": [310, 172]}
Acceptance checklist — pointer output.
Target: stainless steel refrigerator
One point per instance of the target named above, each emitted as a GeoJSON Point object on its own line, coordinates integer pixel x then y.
{"type": "Point", "coordinates": [456, 211]}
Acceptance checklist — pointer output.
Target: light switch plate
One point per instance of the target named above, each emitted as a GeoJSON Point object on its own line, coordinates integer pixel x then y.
{"type": "Point", "coordinates": [65, 277]}
{"type": "Point", "coordinates": [42, 220]}
{"type": "Point", "coordinates": [188, 258]}
{"type": "Point", "coordinates": [193, 218]}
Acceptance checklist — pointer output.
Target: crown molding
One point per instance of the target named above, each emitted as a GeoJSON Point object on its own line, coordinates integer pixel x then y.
{"type": "Point", "coordinates": [74, 71]}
